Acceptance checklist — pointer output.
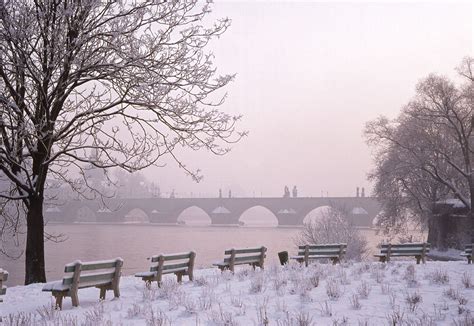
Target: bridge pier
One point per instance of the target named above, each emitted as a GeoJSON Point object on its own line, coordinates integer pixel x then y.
{"type": "Point", "coordinates": [224, 219]}
{"type": "Point", "coordinates": [290, 219]}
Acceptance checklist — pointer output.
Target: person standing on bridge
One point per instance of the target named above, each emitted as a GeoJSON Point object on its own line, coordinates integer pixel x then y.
{"type": "Point", "coordinates": [295, 192]}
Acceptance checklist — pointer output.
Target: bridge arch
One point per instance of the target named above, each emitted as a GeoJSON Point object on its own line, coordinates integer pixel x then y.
{"type": "Point", "coordinates": [317, 213]}
{"type": "Point", "coordinates": [136, 215]}
{"type": "Point", "coordinates": [258, 215]}
{"type": "Point", "coordinates": [193, 215]}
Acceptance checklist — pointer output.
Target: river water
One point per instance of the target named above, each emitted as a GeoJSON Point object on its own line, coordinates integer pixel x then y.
{"type": "Point", "coordinates": [135, 242]}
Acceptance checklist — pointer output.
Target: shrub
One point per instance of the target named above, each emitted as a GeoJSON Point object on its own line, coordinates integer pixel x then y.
{"type": "Point", "coordinates": [364, 290]}
{"type": "Point", "coordinates": [413, 300]}
{"type": "Point", "coordinates": [439, 277]}
{"type": "Point", "coordinates": [333, 290]}
{"type": "Point", "coordinates": [334, 227]}
{"type": "Point", "coordinates": [466, 280]}
{"type": "Point", "coordinates": [355, 303]}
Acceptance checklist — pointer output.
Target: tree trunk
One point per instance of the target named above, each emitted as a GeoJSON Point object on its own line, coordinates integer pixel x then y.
{"type": "Point", "coordinates": [433, 233]}
{"type": "Point", "coordinates": [34, 259]}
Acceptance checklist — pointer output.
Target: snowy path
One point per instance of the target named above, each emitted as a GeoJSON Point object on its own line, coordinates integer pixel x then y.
{"type": "Point", "coordinates": [351, 294]}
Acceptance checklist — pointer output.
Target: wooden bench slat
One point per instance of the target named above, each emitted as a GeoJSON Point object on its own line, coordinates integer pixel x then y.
{"type": "Point", "coordinates": [322, 252]}
{"type": "Point", "coordinates": [99, 277]}
{"type": "Point", "coordinates": [93, 265]}
{"type": "Point", "coordinates": [98, 265]}
{"type": "Point", "coordinates": [408, 252]}
{"type": "Point", "coordinates": [255, 258]}
{"type": "Point", "coordinates": [90, 278]}
{"type": "Point", "coordinates": [243, 251]}
{"type": "Point", "coordinates": [323, 246]}
{"type": "Point", "coordinates": [170, 266]}
{"type": "Point", "coordinates": [179, 256]}
{"type": "Point", "coordinates": [405, 245]}
{"type": "Point", "coordinates": [405, 249]}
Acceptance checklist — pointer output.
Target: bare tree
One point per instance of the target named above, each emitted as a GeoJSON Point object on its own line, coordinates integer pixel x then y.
{"type": "Point", "coordinates": [333, 226]}
{"type": "Point", "coordinates": [128, 82]}
{"type": "Point", "coordinates": [424, 155]}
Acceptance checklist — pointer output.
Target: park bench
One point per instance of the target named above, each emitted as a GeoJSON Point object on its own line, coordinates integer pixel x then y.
{"type": "Point", "coordinates": [179, 264]}
{"type": "Point", "coordinates": [244, 256]}
{"type": "Point", "coordinates": [468, 252]}
{"type": "Point", "coordinates": [333, 251]}
{"type": "Point", "coordinates": [3, 278]}
{"type": "Point", "coordinates": [418, 250]}
{"type": "Point", "coordinates": [104, 275]}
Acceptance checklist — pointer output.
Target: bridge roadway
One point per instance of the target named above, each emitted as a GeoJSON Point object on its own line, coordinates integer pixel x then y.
{"type": "Point", "coordinates": [222, 211]}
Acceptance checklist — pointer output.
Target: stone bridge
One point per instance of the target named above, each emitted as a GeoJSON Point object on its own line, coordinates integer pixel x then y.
{"type": "Point", "coordinates": [221, 211]}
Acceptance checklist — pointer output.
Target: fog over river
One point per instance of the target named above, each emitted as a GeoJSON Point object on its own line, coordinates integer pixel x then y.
{"type": "Point", "coordinates": [135, 242]}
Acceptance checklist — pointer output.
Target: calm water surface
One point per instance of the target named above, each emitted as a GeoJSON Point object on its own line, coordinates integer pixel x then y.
{"type": "Point", "coordinates": [136, 242]}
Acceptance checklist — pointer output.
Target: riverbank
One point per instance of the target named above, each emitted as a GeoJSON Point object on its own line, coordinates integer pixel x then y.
{"type": "Point", "coordinates": [436, 293]}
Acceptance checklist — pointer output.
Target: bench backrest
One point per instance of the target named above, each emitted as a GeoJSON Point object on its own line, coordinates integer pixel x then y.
{"type": "Point", "coordinates": [405, 248]}
{"type": "Point", "coordinates": [3, 278]}
{"type": "Point", "coordinates": [335, 249]}
{"type": "Point", "coordinates": [85, 274]}
{"type": "Point", "coordinates": [164, 262]}
{"type": "Point", "coordinates": [234, 256]}
{"type": "Point", "coordinates": [468, 248]}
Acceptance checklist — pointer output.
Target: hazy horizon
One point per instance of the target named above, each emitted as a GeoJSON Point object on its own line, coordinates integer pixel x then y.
{"type": "Point", "coordinates": [309, 76]}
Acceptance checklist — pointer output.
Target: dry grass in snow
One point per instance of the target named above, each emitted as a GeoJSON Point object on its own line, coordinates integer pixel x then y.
{"type": "Point", "coordinates": [398, 293]}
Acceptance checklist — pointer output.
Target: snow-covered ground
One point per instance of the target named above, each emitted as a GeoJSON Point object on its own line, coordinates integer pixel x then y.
{"type": "Point", "coordinates": [398, 293]}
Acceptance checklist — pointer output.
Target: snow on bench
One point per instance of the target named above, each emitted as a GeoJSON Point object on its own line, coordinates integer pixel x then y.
{"type": "Point", "coordinates": [333, 251]}
{"type": "Point", "coordinates": [104, 275]}
{"type": "Point", "coordinates": [418, 250]}
{"type": "Point", "coordinates": [251, 256]}
{"type": "Point", "coordinates": [468, 252]}
{"type": "Point", "coordinates": [179, 264]}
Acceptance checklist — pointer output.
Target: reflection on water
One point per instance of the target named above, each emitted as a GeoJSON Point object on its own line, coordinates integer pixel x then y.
{"type": "Point", "coordinates": [135, 242]}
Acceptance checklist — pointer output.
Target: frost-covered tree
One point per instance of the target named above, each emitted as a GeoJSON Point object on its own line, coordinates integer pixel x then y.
{"type": "Point", "coordinates": [333, 226]}
{"type": "Point", "coordinates": [424, 155]}
{"type": "Point", "coordinates": [129, 81]}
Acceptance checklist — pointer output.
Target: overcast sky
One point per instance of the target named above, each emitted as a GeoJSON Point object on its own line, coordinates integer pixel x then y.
{"type": "Point", "coordinates": [309, 75]}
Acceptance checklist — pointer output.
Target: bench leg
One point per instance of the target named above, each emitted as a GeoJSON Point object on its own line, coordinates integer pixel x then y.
{"type": "Point", "coordinates": [179, 277]}
{"type": "Point", "coordinates": [75, 299]}
{"type": "Point", "coordinates": [382, 259]}
{"type": "Point", "coordinates": [59, 301]}
{"type": "Point", "coordinates": [102, 293]}
{"type": "Point", "coordinates": [418, 258]}
{"type": "Point", "coordinates": [147, 283]}
{"type": "Point", "coordinates": [116, 290]}
{"type": "Point", "coordinates": [335, 260]}
{"type": "Point", "coordinates": [469, 259]}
